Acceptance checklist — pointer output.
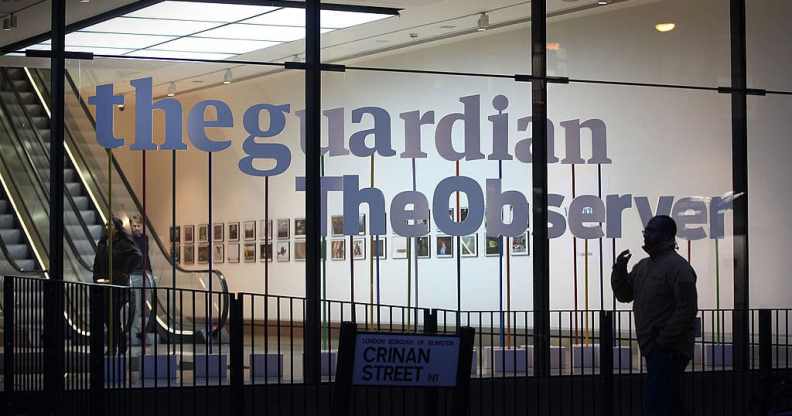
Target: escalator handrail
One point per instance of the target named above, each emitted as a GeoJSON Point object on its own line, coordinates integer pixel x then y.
{"type": "Point", "coordinates": [36, 175]}
{"type": "Point", "coordinates": [119, 171]}
{"type": "Point", "coordinates": [44, 151]}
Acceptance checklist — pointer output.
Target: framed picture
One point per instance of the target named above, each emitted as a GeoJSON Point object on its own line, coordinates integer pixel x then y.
{"type": "Point", "coordinates": [283, 228]}
{"type": "Point", "coordinates": [463, 213]}
{"type": "Point", "coordinates": [175, 234]}
{"type": "Point", "coordinates": [203, 253]}
{"type": "Point", "coordinates": [359, 248]}
{"type": "Point", "coordinates": [203, 233]}
{"type": "Point", "coordinates": [423, 247]}
{"type": "Point", "coordinates": [217, 232]}
{"type": "Point", "coordinates": [265, 252]}
{"type": "Point", "coordinates": [338, 249]}
{"type": "Point", "coordinates": [189, 233]}
{"type": "Point", "coordinates": [468, 245]}
{"type": "Point", "coordinates": [493, 246]}
{"type": "Point", "coordinates": [233, 231]}
{"type": "Point", "coordinates": [444, 246]}
{"type": "Point", "coordinates": [233, 252]}
{"type": "Point", "coordinates": [362, 224]}
{"type": "Point", "coordinates": [282, 251]}
{"type": "Point", "coordinates": [249, 229]}
{"type": "Point", "coordinates": [299, 249]}
{"type": "Point", "coordinates": [337, 225]}
{"type": "Point", "coordinates": [299, 228]}
{"type": "Point", "coordinates": [379, 247]}
{"type": "Point", "coordinates": [177, 254]}
{"type": "Point", "coordinates": [399, 247]}
{"type": "Point", "coordinates": [188, 254]}
{"type": "Point", "coordinates": [218, 253]}
{"type": "Point", "coordinates": [265, 230]}
{"type": "Point", "coordinates": [250, 252]}
{"type": "Point", "coordinates": [521, 245]}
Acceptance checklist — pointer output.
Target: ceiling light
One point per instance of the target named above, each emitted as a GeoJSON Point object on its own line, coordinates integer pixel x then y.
{"type": "Point", "coordinates": [207, 12]}
{"type": "Point", "coordinates": [256, 32]}
{"type": "Point", "coordinates": [157, 53]}
{"type": "Point", "coordinates": [335, 19]}
{"type": "Point", "coordinates": [603, 3]}
{"type": "Point", "coordinates": [665, 27]}
{"type": "Point", "coordinates": [85, 1]}
{"type": "Point", "coordinates": [172, 89]}
{"type": "Point", "coordinates": [233, 46]}
{"type": "Point", "coordinates": [483, 22]}
{"type": "Point", "coordinates": [227, 77]}
{"type": "Point", "coordinates": [150, 26]}
{"type": "Point", "coordinates": [129, 41]}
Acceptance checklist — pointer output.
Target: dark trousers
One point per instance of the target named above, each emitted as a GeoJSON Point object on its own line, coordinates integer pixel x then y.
{"type": "Point", "coordinates": [663, 389]}
{"type": "Point", "coordinates": [118, 338]}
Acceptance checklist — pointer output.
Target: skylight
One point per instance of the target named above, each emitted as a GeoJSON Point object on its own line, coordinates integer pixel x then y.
{"type": "Point", "coordinates": [197, 30]}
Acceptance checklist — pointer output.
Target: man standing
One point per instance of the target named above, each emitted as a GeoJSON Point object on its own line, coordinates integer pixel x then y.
{"type": "Point", "coordinates": [662, 288]}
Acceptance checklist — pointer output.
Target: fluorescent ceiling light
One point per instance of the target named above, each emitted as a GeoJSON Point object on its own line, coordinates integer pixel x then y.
{"type": "Point", "coordinates": [234, 46]}
{"type": "Point", "coordinates": [281, 17]}
{"type": "Point", "coordinates": [334, 19]}
{"type": "Point", "coordinates": [150, 26]}
{"type": "Point", "coordinates": [256, 32]}
{"type": "Point", "coordinates": [665, 27]}
{"type": "Point", "coordinates": [210, 12]}
{"type": "Point", "coordinates": [120, 39]}
{"type": "Point", "coordinates": [154, 53]}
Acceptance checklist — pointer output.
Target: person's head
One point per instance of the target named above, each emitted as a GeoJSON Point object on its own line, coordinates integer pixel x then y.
{"type": "Point", "coordinates": [136, 224]}
{"type": "Point", "coordinates": [658, 230]}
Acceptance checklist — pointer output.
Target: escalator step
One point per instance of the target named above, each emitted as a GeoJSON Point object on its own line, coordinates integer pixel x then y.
{"type": "Point", "coordinates": [12, 236]}
{"type": "Point", "coordinates": [5, 206]}
{"type": "Point", "coordinates": [83, 246]}
{"type": "Point", "coordinates": [96, 231]}
{"type": "Point", "coordinates": [7, 221]}
{"type": "Point", "coordinates": [18, 251]}
{"type": "Point", "coordinates": [26, 265]}
{"type": "Point", "coordinates": [35, 110]}
{"type": "Point", "coordinates": [75, 188]}
{"type": "Point", "coordinates": [82, 202]}
{"type": "Point", "coordinates": [70, 218]}
{"type": "Point", "coordinates": [69, 175]}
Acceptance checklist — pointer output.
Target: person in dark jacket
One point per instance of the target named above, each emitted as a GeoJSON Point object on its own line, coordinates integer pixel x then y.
{"type": "Point", "coordinates": [662, 288]}
{"type": "Point", "coordinates": [124, 258]}
{"type": "Point", "coordinates": [141, 241]}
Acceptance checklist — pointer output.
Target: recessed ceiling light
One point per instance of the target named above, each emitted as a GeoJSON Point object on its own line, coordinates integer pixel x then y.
{"type": "Point", "coordinates": [665, 27]}
{"type": "Point", "coordinates": [483, 22]}
{"type": "Point", "coordinates": [172, 89]}
{"type": "Point", "coordinates": [227, 77]}
{"type": "Point", "coordinates": [603, 3]}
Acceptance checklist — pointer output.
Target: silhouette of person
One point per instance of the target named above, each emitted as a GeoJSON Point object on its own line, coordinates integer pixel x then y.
{"type": "Point", "coordinates": [662, 288]}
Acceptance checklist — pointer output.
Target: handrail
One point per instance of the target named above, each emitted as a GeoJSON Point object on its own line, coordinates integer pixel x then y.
{"type": "Point", "coordinates": [37, 175]}
{"type": "Point", "coordinates": [137, 203]}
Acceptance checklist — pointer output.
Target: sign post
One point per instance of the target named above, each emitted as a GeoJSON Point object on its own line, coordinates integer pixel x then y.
{"type": "Point", "coordinates": [402, 360]}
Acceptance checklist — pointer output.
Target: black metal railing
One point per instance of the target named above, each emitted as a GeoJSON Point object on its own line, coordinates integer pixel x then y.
{"type": "Point", "coordinates": [121, 350]}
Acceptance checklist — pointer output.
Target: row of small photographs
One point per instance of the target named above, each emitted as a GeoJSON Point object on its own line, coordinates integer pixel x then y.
{"type": "Point", "coordinates": [444, 248]}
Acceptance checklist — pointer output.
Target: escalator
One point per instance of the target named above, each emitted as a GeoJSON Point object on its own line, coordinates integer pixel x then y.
{"type": "Point", "coordinates": [24, 109]}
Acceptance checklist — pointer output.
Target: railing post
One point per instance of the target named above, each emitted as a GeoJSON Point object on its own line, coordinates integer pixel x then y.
{"type": "Point", "coordinates": [606, 361]}
{"type": "Point", "coordinates": [97, 324]}
{"type": "Point", "coordinates": [8, 343]}
{"type": "Point", "coordinates": [431, 398]}
{"type": "Point", "coordinates": [237, 336]}
{"type": "Point", "coordinates": [765, 343]}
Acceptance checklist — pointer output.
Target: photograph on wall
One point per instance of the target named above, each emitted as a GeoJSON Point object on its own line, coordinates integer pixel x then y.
{"type": "Point", "coordinates": [233, 231]}
{"type": "Point", "coordinates": [250, 252]}
{"type": "Point", "coordinates": [188, 254]}
{"type": "Point", "coordinates": [359, 248]}
{"type": "Point", "coordinates": [265, 230]}
{"type": "Point", "coordinates": [423, 247]}
{"type": "Point", "coordinates": [189, 233]}
{"type": "Point", "coordinates": [249, 229]}
{"type": "Point", "coordinates": [218, 253]}
{"type": "Point", "coordinates": [265, 252]}
{"type": "Point", "coordinates": [362, 224]}
{"type": "Point", "coordinates": [463, 213]}
{"type": "Point", "coordinates": [399, 246]}
{"type": "Point", "coordinates": [203, 233]}
{"type": "Point", "coordinates": [299, 228]}
{"type": "Point", "coordinates": [233, 253]}
{"type": "Point", "coordinates": [175, 234]}
{"type": "Point", "coordinates": [299, 250]}
{"type": "Point", "coordinates": [521, 245]}
{"type": "Point", "coordinates": [468, 245]}
{"type": "Point", "coordinates": [337, 225]}
{"type": "Point", "coordinates": [493, 246]}
{"type": "Point", "coordinates": [283, 228]}
{"type": "Point", "coordinates": [338, 249]}
{"type": "Point", "coordinates": [282, 251]}
{"type": "Point", "coordinates": [203, 253]}
{"type": "Point", "coordinates": [444, 246]}
{"type": "Point", "coordinates": [379, 248]}
{"type": "Point", "coordinates": [217, 232]}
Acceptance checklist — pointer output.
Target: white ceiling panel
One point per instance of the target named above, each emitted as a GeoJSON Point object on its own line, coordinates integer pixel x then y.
{"type": "Point", "coordinates": [210, 12]}
{"type": "Point", "coordinates": [113, 40]}
{"type": "Point", "coordinates": [151, 26]}
{"type": "Point", "coordinates": [153, 53]}
{"type": "Point", "coordinates": [233, 46]}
